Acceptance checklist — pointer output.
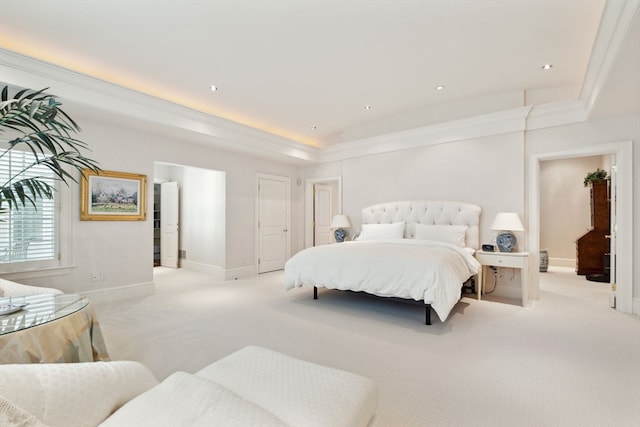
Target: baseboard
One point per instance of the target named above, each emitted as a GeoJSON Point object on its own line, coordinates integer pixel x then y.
{"type": "Point", "coordinates": [238, 273]}
{"type": "Point", "coordinates": [219, 273]}
{"type": "Point", "coordinates": [562, 262]}
{"type": "Point", "coordinates": [137, 290]}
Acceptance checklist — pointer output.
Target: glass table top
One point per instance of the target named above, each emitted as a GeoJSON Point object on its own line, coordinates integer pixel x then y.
{"type": "Point", "coordinates": [34, 310]}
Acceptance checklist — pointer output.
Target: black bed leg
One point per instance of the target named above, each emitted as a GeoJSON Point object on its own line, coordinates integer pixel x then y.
{"type": "Point", "coordinates": [427, 320]}
{"type": "Point", "coordinates": [315, 292]}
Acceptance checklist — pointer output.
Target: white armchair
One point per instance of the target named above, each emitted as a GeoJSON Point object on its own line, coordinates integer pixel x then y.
{"type": "Point", "coordinates": [69, 394]}
{"type": "Point", "coordinates": [252, 386]}
{"type": "Point", "coordinates": [15, 289]}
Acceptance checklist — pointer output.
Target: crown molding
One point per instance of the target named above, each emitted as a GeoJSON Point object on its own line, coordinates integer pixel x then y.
{"type": "Point", "coordinates": [556, 114]}
{"type": "Point", "coordinates": [617, 18]}
{"type": "Point", "coordinates": [22, 71]}
{"type": "Point", "coordinates": [502, 122]}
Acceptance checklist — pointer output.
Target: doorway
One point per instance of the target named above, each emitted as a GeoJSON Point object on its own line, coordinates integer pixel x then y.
{"type": "Point", "coordinates": [310, 203]}
{"type": "Point", "coordinates": [623, 226]}
{"type": "Point", "coordinates": [156, 225]}
{"type": "Point", "coordinates": [567, 217]}
{"type": "Point", "coordinates": [200, 240]}
{"type": "Point", "coordinates": [565, 205]}
{"type": "Point", "coordinates": [323, 212]}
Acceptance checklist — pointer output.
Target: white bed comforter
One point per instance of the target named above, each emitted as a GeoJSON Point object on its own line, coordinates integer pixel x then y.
{"type": "Point", "coordinates": [423, 270]}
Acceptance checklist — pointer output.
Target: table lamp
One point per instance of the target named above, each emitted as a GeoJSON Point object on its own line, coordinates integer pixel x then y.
{"type": "Point", "coordinates": [340, 222]}
{"type": "Point", "coordinates": [506, 222]}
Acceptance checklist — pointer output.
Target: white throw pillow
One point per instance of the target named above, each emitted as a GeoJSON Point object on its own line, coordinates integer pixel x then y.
{"type": "Point", "coordinates": [453, 234]}
{"type": "Point", "coordinates": [394, 230]}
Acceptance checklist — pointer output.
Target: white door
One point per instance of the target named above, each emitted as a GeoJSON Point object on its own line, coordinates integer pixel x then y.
{"type": "Point", "coordinates": [273, 222]}
{"type": "Point", "coordinates": [612, 232]}
{"type": "Point", "coordinates": [322, 209]}
{"type": "Point", "coordinates": [169, 236]}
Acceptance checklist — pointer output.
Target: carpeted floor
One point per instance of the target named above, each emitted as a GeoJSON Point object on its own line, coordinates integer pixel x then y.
{"type": "Point", "coordinates": [565, 360]}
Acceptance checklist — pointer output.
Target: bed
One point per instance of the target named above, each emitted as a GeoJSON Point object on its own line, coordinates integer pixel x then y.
{"type": "Point", "coordinates": [413, 250]}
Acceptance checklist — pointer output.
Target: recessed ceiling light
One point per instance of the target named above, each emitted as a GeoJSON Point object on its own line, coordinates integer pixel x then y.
{"type": "Point", "coordinates": [367, 107]}
{"type": "Point", "coordinates": [439, 87]}
{"type": "Point", "coordinates": [213, 88]}
{"type": "Point", "coordinates": [547, 66]}
{"type": "Point", "coordinates": [314, 127]}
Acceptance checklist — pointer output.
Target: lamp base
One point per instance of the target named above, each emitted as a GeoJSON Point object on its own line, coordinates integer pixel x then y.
{"type": "Point", "coordinates": [506, 241]}
{"type": "Point", "coordinates": [339, 234]}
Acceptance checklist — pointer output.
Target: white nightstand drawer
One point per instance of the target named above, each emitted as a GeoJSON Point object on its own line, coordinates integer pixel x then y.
{"type": "Point", "coordinates": [500, 260]}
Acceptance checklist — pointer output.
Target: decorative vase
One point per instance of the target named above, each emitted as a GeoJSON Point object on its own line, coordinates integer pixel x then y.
{"type": "Point", "coordinates": [544, 260]}
{"type": "Point", "coordinates": [340, 235]}
{"type": "Point", "coordinates": [506, 241]}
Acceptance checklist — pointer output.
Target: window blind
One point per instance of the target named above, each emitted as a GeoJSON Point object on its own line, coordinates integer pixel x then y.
{"type": "Point", "coordinates": [27, 233]}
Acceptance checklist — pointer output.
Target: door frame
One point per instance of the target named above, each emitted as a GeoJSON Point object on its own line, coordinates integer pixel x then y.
{"type": "Point", "coordinates": [623, 150]}
{"type": "Point", "coordinates": [287, 182]}
{"type": "Point", "coordinates": [308, 204]}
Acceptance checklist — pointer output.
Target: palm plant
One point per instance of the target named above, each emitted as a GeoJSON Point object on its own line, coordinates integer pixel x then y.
{"type": "Point", "coordinates": [36, 123]}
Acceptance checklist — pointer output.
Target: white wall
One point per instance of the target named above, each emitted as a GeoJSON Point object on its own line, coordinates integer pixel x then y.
{"type": "Point", "coordinates": [565, 206]}
{"type": "Point", "coordinates": [485, 171]}
{"type": "Point", "coordinates": [123, 250]}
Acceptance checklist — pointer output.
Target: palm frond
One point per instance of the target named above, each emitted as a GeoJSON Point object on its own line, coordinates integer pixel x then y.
{"type": "Point", "coordinates": [40, 126]}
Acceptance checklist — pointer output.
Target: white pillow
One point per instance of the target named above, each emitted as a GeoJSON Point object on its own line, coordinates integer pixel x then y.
{"type": "Point", "coordinates": [453, 234]}
{"type": "Point", "coordinates": [382, 231]}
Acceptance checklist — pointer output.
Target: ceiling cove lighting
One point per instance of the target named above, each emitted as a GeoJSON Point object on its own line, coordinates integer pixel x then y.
{"type": "Point", "coordinates": [547, 66]}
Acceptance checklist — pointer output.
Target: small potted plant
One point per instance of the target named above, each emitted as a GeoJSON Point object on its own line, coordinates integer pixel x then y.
{"type": "Point", "coordinates": [595, 176]}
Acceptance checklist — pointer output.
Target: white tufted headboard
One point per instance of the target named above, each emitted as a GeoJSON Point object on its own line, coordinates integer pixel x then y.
{"type": "Point", "coordinates": [427, 212]}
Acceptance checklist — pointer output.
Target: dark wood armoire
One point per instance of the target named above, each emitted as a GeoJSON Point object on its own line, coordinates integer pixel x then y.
{"type": "Point", "coordinates": [593, 246]}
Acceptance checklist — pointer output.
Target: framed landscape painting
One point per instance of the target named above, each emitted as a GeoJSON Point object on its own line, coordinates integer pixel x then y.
{"type": "Point", "coordinates": [113, 196]}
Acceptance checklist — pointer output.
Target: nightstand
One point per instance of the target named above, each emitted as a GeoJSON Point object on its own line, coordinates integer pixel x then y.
{"type": "Point", "coordinates": [519, 260]}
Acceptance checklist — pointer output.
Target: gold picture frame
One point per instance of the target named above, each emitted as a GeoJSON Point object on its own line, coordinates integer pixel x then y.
{"type": "Point", "coordinates": [113, 196]}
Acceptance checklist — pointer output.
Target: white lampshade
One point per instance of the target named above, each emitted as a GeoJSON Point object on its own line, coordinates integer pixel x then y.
{"type": "Point", "coordinates": [508, 221]}
{"type": "Point", "coordinates": [340, 221]}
